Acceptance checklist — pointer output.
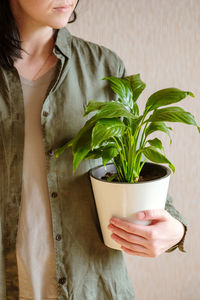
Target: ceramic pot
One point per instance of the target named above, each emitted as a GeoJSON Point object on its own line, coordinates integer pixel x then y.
{"type": "Point", "coordinates": [123, 200]}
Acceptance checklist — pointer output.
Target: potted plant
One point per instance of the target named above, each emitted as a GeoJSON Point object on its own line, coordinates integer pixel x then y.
{"type": "Point", "coordinates": [116, 132]}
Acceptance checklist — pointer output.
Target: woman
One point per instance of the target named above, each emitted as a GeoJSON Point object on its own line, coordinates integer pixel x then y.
{"type": "Point", "coordinates": [51, 245]}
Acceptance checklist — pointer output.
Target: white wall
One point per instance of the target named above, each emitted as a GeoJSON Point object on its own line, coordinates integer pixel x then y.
{"type": "Point", "coordinates": [160, 39]}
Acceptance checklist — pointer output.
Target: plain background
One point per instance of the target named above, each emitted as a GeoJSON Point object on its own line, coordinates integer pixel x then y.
{"type": "Point", "coordinates": [160, 39]}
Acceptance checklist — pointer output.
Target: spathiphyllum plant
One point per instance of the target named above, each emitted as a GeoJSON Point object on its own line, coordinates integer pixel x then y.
{"type": "Point", "coordinates": [118, 133]}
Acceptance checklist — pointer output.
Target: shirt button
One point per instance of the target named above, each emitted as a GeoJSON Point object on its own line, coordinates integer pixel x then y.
{"type": "Point", "coordinates": [51, 152]}
{"type": "Point", "coordinates": [45, 113]}
{"type": "Point", "coordinates": [58, 237]}
{"type": "Point", "coordinates": [54, 195]}
{"type": "Point", "coordinates": [62, 280]}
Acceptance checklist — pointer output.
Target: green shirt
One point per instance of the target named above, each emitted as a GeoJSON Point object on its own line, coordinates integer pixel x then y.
{"type": "Point", "coordinates": [85, 268]}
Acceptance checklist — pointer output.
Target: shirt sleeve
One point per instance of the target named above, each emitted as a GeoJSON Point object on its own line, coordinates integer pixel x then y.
{"type": "Point", "coordinates": [176, 214]}
{"type": "Point", "coordinates": [122, 70]}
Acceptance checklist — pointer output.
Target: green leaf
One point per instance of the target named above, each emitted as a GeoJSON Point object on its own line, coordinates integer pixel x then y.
{"type": "Point", "coordinates": [94, 154]}
{"type": "Point", "coordinates": [134, 124]}
{"type": "Point", "coordinates": [157, 144]}
{"type": "Point", "coordinates": [121, 87]}
{"type": "Point", "coordinates": [93, 106]}
{"type": "Point", "coordinates": [113, 110]}
{"type": "Point", "coordinates": [106, 129]}
{"type": "Point", "coordinates": [107, 153]}
{"type": "Point", "coordinates": [158, 126]}
{"type": "Point", "coordinates": [137, 85]}
{"type": "Point", "coordinates": [109, 110]}
{"type": "Point", "coordinates": [60, 150]}
{"type": "Point", "coordinates": [166, 97]}
{"type": "Point", "coordinates": [85, 131]}
{"type": "Point", "coordinates": [79, 155]}
{"type": "Point", "coordinates": [136, 110]}
{"type": "Point", "coordinates": [172, 114]}
{"type": "Point", "coordinates": [112, 177]}
{"type": "Point", "coordinates": [81, 148]}
{"type": "Point", "coordinates": [153, 155]}
{"type": "Point", "coordinates": [128, 89]}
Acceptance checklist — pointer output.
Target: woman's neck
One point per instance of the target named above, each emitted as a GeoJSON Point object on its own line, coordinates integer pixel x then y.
{"type": "Point", "coordinates": [37, 42]}
{"type": "Point", "coordinates": [37, 55]}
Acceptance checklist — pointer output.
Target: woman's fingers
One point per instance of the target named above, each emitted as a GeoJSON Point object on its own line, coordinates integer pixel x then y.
{"type": "Point", "coordinates": [128, 245]}
{"type": "Point", "coordinates": [128, 251]}
{"type": "Point", "coordinates": [132, 238]}
{"type": "Point", "coordinates": [129, 227]}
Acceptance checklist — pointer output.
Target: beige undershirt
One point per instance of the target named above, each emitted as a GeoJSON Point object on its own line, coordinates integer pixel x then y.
{"type": "Point", "coordinates": [34, 247]}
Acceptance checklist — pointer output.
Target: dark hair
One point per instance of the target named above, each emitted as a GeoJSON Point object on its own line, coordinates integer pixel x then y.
{"type": "Point", "coordinates": [74, 15]}
{"type": "Point", "coordinates": [10, 48]}
{"type": "Point", "coordinates": [10, 44]}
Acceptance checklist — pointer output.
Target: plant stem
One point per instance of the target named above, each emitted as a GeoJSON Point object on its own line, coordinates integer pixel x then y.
{"type": "Point", "coordinates": [143, 134]}
{"type": "Point", "coordinates": [120, 153]}
{"type": "Point", "coordinates": [131, 154]}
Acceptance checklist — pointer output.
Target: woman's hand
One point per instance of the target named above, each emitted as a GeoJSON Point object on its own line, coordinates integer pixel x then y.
{"type": "Point", "coordinates": [148, 241]}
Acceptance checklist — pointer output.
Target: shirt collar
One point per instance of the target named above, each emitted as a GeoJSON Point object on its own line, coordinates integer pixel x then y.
{"type": "Point", "coordinates": [63, 41]}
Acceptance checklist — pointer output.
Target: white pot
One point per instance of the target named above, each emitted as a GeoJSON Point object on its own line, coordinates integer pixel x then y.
{"type": "Point", "coordinates": [123, 200]}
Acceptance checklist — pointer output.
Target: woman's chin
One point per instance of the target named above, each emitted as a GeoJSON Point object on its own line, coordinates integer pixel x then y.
{"type": "Point", "coordinates": [59, 25]}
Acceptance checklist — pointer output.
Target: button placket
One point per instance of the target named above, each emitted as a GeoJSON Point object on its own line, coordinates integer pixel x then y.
{"type": "Point", "coordinates": [55, 207]}
{"type": "Point", "coordinates": [45, 113]}
{"type": "Point", "coordinates": [58, 237]}
{"type": "Point", "coordinates": [56, 222]}
{"type": "Point", "coordinates": [51, 152]}
{"type": "Point", "coordinates": [62, 280]}
{"type": "Point", "coordinates": [54, 195]}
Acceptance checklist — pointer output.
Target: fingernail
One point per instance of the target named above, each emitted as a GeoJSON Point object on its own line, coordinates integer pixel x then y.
{"type": "Point", "coordinates": [112, 221]}
{"type": "Point", "coordinates": [115, 220]}
{"type": "Point", "coordinates": [141, 215]}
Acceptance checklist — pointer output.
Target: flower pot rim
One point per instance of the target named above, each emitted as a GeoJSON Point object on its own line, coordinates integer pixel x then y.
{"type": "Point", "coordinates": [168, 173]}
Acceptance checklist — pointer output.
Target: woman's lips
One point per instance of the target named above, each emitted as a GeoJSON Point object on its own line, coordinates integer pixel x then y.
{"type": "Point", "coordinates": [62, 9]}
